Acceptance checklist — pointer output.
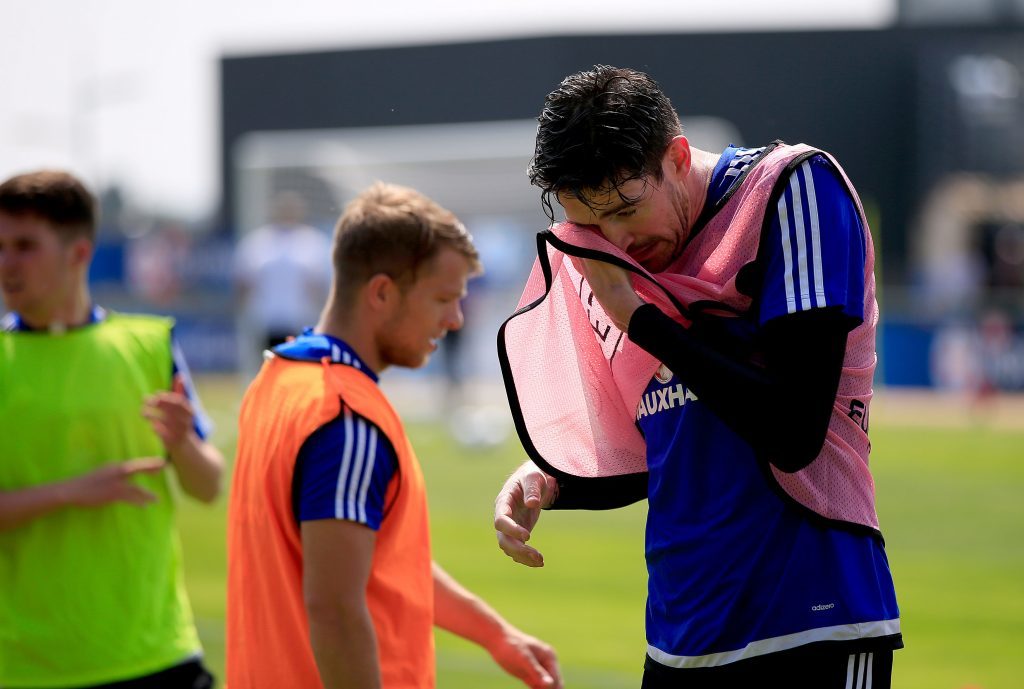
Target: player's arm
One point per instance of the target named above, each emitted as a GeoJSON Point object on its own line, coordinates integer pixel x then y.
{"type": "Point", "coordinates": [336, 559]}
{"type": "Point", "coordinates": [200, 468]}
{"type": "Point", "coordinates": [178, 418]}
{"type": "Point", "coordinates": [604, 493]}
{"type": "Point", "coordinates": [465, 614]}
{"type": "Point", "coordinates": [108, 484]}
{"type": "Point", "coordinates": [346, 458]}
{"type": "Point", "coordinates": [198, 464]}
{"type": "Point", "coordinates": [781, 408]}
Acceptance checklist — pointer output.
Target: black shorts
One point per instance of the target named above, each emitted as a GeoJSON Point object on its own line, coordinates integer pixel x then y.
{"type": "Point", "coordinates": [190, 675]}
{"type": "Point", "coordinates": [818, 666]}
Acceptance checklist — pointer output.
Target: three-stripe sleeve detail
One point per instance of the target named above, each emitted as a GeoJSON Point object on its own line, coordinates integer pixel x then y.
{"type": "Point", "coordinates": [802, 263]}
{"type": "Point", "coordinates": [787, 255]}
{"type": "Point", "coordinates": [343, 472]}
{"type": "Point", "coordinates": [364, 484]}
{"type": "Point", "coordinates": [356, 472]}
{"type": "Point", "coordinates": [812, 213]}
{"type": "Point", "coordinates": [358, 459]}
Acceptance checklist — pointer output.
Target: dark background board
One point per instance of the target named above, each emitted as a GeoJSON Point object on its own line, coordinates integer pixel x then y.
{"type": "Point", "coordinates": [857, 94]}
{"type": "Point", "coordinates": [903, 109]}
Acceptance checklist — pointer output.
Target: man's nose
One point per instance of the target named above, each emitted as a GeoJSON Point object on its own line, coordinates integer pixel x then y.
{"type": "Point", "coordinates": [454, 319]}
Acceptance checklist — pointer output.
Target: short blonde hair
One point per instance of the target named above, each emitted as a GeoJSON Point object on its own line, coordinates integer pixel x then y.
{"type": "Point", "coordinates": [393, 230]}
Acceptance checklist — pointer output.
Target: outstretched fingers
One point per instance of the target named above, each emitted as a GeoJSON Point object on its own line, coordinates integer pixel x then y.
{"type": "Point", "coordinates": [519, 551]}
{"type": "Point", "coordinates": [517, 509]}
{"type": "Point", "coordinates": [113, 483]}
{"type": "Point", "coordinates": [130, 492]}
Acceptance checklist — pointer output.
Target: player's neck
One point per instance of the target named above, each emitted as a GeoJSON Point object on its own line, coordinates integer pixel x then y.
{"type": "Point", "coordinates": [73, 311]}
{"type": "Point", "coordinates": [351, 329]}
{"type": "Point", "coordinates": [701, 171]}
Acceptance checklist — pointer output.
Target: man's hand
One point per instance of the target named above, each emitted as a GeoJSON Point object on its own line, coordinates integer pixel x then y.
{"type": "Point", "coordinates": [517, 509]}
{"type": "Point", "coordinates": [465, 614]}
{"type": "Point", "coordinates": [112, 483]}
{"type": "Point", "coordinates": [528, 658]}
{"type": "Point", "coordinates": [108, 484]}
{"type": "Point", "coordinates": [198, 464]}
{"type": "Point", "coordinates": [614, 290]}
{"type": "Point", "coordinates": [170, 414]}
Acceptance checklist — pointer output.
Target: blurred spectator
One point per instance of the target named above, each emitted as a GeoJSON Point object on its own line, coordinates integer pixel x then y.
{"type": "Point", "coordinates": [997, 349]}
{"type": "Point", "coordinates": [970, 243]}
{"type": "Point", "coordinates": [155, 263]}
{"type": "Point", "coordinates": [955, 365]}
{"type": "Point", "coordinates": [953, 267]}
{"type": "Point", "coordinates": [980, 357]}
{"type": "Point", "coordinates": [282, 272]}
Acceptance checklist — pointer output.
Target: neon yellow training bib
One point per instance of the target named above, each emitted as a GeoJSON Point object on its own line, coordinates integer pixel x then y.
{"type": "Point", "coordinates": [88, 596]}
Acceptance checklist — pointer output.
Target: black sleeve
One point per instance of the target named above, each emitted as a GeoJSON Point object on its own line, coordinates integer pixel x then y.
{"type": "Point", "coordinates": [601, 493]}
{"type": "Point", "coordinates": [780, 405]}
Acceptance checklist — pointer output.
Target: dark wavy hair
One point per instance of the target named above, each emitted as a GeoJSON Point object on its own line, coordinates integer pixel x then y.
{"type": "Point", "coordinates": [600, 129]}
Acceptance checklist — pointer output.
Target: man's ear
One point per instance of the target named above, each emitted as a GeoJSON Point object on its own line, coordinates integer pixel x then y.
{"type": "Point", "coordinates": [381, 292]}
{"type": "Point", "coordinates": [679, 156]}
{"type": "Point", "coordinates": [81, 252]}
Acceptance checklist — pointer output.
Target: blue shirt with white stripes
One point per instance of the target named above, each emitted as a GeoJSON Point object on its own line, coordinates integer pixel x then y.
{"type": "Point", "coordinates": [344, 467]}
{"type": "Point", "coordinates": [12, 322]}
{"type": "Point", "coordinates": [799, 251]}
{"type": "Point", "coordinates": [735, 570]}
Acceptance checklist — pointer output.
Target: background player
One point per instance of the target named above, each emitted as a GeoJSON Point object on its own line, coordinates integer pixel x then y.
{"type": "Point", "coordinates": [91, 586]}
{"type": "Point", "coordinates": [330, 576]}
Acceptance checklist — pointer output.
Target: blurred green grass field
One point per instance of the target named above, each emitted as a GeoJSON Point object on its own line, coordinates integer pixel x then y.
{"type": "Point", "coordinates": [951, 501]}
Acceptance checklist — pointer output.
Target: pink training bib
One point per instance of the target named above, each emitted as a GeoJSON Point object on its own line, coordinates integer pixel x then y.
{"type": "Point", "coordinates": [574, 380]}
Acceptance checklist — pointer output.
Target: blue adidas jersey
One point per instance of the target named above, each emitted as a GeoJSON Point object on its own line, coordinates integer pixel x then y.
{"type": "Point", "coordinates": [344, 467]}
{"type": "Point", "coordinates": [202, 425]}
{"type": "Point", "coordinates": [735, 570]}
